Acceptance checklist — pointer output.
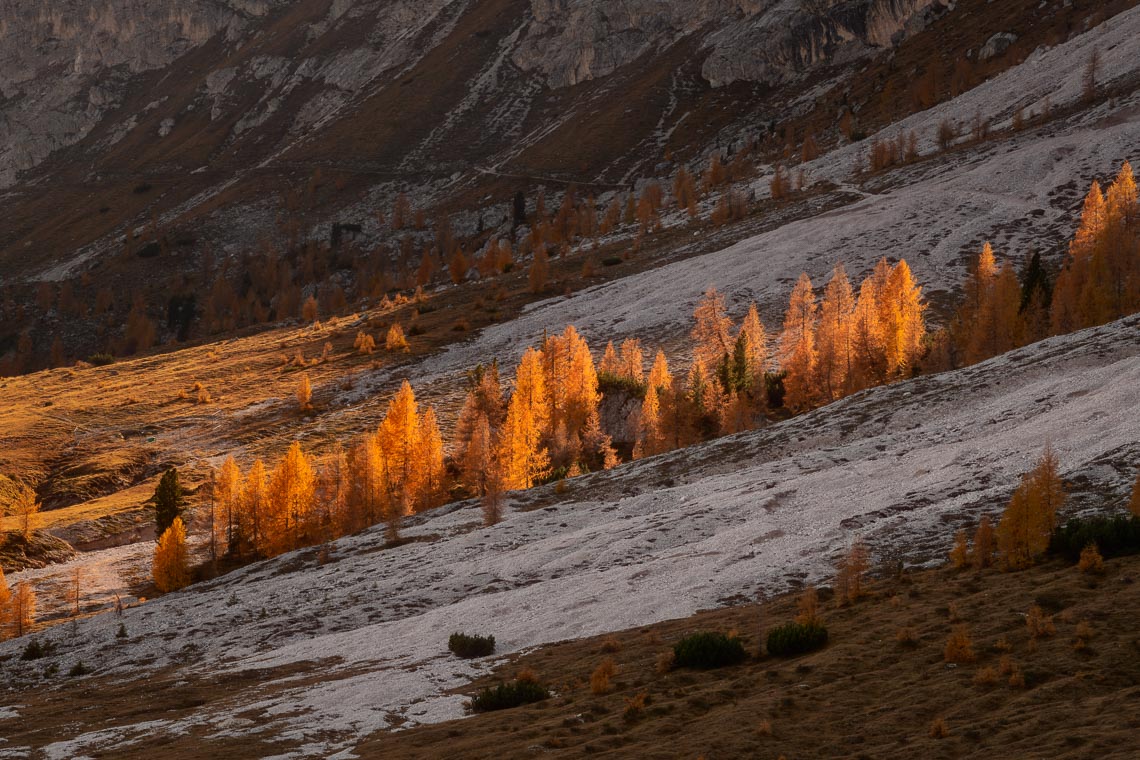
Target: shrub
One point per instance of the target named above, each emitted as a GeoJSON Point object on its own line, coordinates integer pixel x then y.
{"type": "Point", "coordinates": [939, 729]}
{"type": "Point", "coordinates": [1039, 624]}
{"type": "Point", "coordinates": [986, 676]}
{"type": "Point", "coordinates": [906, 636]}
{"type": "Point", "coordinates": [101, 360]}
{"type": "Point", "coordinates": [665, 661]}
{"type": "Point", "coordinates": [611, 645]}
{"type": "Point", "coordinates": [634, 707]}
{"type": "Point", "coordinates": [35, 650]}
{"type": "Point", "coordinates": [600, 678]}
{"type": "Point", "coordinates": [708, 649]}
{"type": "Point", "coordinates": [1114, 536]}
{"type": "Point", "coordinates": [609, 382]}
{"type": "Point", "coordinates": [796, 638]}
{"type": "Point", "coordinates": [611, 261]}
{"type": "Point", "coordinates": [507, 695]}
{"type": "Point", "coordinates": [78, 669]}
{"type": "Point", "coordinates": [959, 647]}
{"type": "Point", "coordinates": [466, 645]}
{"type": "Point", "coordinates": [1091, 561]}
{"type": "Point", "coordinates": [1084, 633]}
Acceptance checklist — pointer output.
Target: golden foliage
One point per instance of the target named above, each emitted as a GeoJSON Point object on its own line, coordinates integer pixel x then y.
{"type": "Point", "coordinates": [1091, 562]}
{"type": "Point", "coordinates": [305, 394]}
{"type": "Point", "coordinates": [171, 569]}
{"type": "Point", "coordinates": [600, 678]}
{"type": "Point", "coordinates": [395, 340]}
{"type": "Point", "coordinates": [959, 646]}
{"type": "Point", "coordinates": [1028, 520]}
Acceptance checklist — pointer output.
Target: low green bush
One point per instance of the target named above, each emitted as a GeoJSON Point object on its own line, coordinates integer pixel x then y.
{"type": "Point", "coordinates": [1114, 536]}
{"type": "Point", "coordinates": [708, 649]}
{"type": "Point", "coordinates": [35, 650]}
{"type": "Point", "coordinates": [78, 669]}
{"type": "Point", "coordinates": [465, 645]}
{"type": "Point", "coordinates": [796, 638]}
{"type": "Point", "coordinates": [507, 695]}
{"type": "Point", "coordinates": [611, 383]}
{"type": "Point", "coordinates": [611, 261]}
{"type": "Point", "coordinates": [101, 360]}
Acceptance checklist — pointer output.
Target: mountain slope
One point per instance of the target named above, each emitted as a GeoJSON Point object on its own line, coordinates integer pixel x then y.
{"type": "Point", "coordinates": [656, 539]}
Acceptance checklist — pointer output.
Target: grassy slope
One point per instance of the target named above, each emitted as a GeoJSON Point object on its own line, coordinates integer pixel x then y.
{"type": "Point", "coordinates": [865, 695]}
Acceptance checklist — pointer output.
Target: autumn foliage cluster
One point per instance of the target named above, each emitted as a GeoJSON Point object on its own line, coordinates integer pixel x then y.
{"type": "Point", "coordinates": [1003, 309]}
{"type": "Point", "coordinates": [385, 475]}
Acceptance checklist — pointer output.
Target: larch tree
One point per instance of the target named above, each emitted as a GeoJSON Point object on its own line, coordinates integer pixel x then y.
{"type": "Point", "coordinates": [227, 488]}
{"type": "Point", "coordinates": [659, 376]}
{"type": "Point", "coordinates": [25, 506]}
{"type": "Point", "coordinates": [1070, 294]}
{"type": "Point", "coordinates": [521, 457]}
{"type": "Point", "coordinates": [429, 460]}
{"type": "Point", "coordinates": [870, 354]}
{"type": "Point", "coordinates": [610, 364]}
{"type": "Point", "coordinates": [254, 510]}
{"type": "Point", "coordinates": [22, 609]}
{"type": "Point", "coordinates": [395, 340]}
{"type": "Point", "coordinates": [477, 457]}
{"type": "Point", "coordinates": [399, 437]}
{"type": "Point", "coordinates": [292, 489]}
{"type": "Point", "coordinates": [756, 348]}
{"type": "Point", "coordinates": [171, 567]}
{"type": "Point", "coordinates": [305, 394]}
{"type": "Point", "coordinates": [1029, 518]}
{"type": "Point", "coordinates": [835, 336]}
{"type": "Point", "coordinates": [711, 332]}
{"type": "Point", "coordinates": [531, 390]}
{"type": "Point", "coordinates": [484, 399]}
{"type": "Point", "coordinates": [580, 382]}
{"type": "Point", "coordinates": [797, 346]}
{"type": "Point", "coordinates": [632, 364]}
{"type": "Point", "coordinates": [539, 271]}
{"type": "Point", "coordinates": [309, 311]}
{"type": "Point", "coordinates": [902, 307]}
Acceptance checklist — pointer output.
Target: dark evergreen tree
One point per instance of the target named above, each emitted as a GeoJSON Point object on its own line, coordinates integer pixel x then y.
{"type": "Point", "coordinates": [168, 501]}
{"type": "Point", "coordinates": [1034, 279]}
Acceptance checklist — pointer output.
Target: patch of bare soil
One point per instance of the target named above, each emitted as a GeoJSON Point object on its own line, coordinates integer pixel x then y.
{"type": "Point", "coordinates": [40, 549]}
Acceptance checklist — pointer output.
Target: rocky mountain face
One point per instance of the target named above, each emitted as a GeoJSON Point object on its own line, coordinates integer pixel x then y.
{"type": "Point", "coordinates": [66, 66]}
{"type": "Point", "coordinates": [141, 142]}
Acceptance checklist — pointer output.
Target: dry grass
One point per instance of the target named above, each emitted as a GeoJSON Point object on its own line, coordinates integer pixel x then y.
{"type": "Point", "coordinates": [855, 697]}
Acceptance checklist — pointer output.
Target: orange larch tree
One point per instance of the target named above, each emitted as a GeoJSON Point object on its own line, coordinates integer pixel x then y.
{"type": "Point", "coordinates": [1025, 526]}
{"type": "Point", "coordinates": [171, 568]}
{"type": "Point", "coordinates": [711, 332]}
{"type": "Point", "coordinates": [797, 347]}
{"type": "Point", "coordinates": [835, 336]}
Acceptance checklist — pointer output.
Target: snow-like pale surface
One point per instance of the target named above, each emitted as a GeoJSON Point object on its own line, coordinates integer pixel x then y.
{"type": "Point", "coordinates": [660, 538]}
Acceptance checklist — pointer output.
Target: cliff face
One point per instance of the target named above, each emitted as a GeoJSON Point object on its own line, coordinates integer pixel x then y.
{"type": "Point", "coordinates": [65, 65]}
{"type": "Point", "coordinates": [765, 41]}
